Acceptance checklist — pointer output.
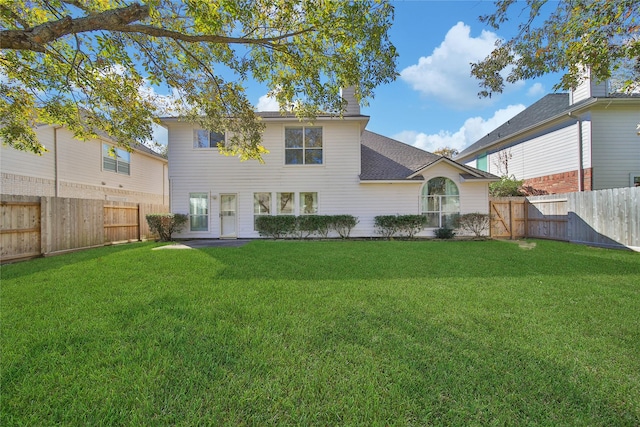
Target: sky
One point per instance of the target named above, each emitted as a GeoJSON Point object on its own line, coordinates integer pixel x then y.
{"type": "Point", "coordinates": [433, 103]}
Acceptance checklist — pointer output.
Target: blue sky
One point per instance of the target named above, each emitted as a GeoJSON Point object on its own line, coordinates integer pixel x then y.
{"type": "Point", "coordinates": [434, 102]}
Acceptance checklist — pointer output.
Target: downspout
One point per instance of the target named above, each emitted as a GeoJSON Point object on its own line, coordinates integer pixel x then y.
{"type": "Point", "coordinates": [580, 153]}
{"type": "Point", "coordinates": [55, 160]}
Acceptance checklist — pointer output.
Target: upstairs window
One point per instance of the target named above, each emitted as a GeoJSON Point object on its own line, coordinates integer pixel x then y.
{"type": "Point", "coordinates": [206, 139]}
{"type": "Point", "coordinates": [116, 159]}
{"type": "Point", "coordinates": [303, 145]}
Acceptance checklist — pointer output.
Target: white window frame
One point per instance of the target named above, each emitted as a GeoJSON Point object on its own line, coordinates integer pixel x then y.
{"type": "Point", "coordinates": [192, 215]}
{"type": "Point", "coordinates": [440, 200]}
{"type": "Point", "coordinates": [201, 134]}
{"type": "Point", "coordinates": [304, 149]}
{"type": "Point", "coordinates": [121, 159]}
{"type": "Point", "coordinates": [292, 202]}
{"type": "Point", "coordinates": [256, 207]}
{"type": "Point", "coordinates": [302, 200]}
{"type": "Point", "coordinates": [632, 179]}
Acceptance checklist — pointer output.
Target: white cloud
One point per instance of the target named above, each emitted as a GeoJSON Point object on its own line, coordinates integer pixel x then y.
{"type": "Point", "coordinates": [536, 90]}
{"type": "Point", "coordinates": [446, 73]}
{"type": "Point", "coordinates": [472, 130]}
{"type": "Point", "coordinates": [267, 103]}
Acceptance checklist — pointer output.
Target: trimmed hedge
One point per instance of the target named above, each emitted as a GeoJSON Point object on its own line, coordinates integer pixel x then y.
{"type": "Point", "coordinates": [303, 226]}
{"type": "Point", "coordinates": [404, 225]}
{"type": "Point", "coordinates": [165, 224]}
{"type": "Point", "coordinates": [476, 223]}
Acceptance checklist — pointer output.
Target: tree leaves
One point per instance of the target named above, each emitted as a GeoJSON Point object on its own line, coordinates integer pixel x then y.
{"type": "Point", "coordinates": [93, 63]}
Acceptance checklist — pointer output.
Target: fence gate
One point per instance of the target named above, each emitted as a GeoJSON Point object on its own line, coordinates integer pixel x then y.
{"type": "Point", "coordinates": [19, 227]}
{"type": "Point", "coordinates": [508, 217]}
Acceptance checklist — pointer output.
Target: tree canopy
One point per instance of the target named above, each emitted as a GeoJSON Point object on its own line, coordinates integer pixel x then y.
{"type": "Point", "coordinates": [89, 64]}
{"type": "Point", "coordinates": [602, 35]}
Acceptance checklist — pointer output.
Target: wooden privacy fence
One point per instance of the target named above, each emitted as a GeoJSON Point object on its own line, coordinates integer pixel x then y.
{"type": "Point", "coordinates": [609, 218]}
{"type": "Point", "coordinates": [34, 226]}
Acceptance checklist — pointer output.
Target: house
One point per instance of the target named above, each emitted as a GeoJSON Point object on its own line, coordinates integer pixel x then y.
{"type": "Point", "coordinates": [332, 166]}
{"type": "Point", "coordinates": [86, 170]}
{"type": "Point", "coordinates": [578, 141]}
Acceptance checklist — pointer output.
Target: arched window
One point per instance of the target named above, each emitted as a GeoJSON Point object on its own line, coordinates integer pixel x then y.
{"type": "Point", "coordinates": [440, 202]}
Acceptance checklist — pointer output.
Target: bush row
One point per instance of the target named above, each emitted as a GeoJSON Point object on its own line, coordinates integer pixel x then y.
{"type": "Point", "coordinates": [303, 226]}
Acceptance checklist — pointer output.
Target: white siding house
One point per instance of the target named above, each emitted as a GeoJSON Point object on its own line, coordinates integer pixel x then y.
{"type": "Point", "coordinates": [336, 167]}
{"type": "Point", "coordinates": [77, 169]}
{"type": "Point", "coordinates": [584, 140]}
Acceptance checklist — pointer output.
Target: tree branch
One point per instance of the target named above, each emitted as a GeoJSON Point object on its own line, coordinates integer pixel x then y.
{"type": "Point", "coordinates": [36, 38]}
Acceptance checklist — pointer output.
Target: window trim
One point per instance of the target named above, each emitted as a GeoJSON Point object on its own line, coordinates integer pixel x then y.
{"type": "Point", "coordinates": [304, 148]}
{"type": "Point", "coordinates": [270, 207]}
{"type": "Point", "coordinates": [301, 205]}
{"type": "Point", "coordinates": [293, 202]}
{"type": "Point", "coordinates": [116, 159]}
{"type": "Point", "coordinates": [632, 177]}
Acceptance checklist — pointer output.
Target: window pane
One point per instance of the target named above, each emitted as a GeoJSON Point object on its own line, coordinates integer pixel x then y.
{"type": "Point", "coordinates": [201, 139]}
{"type": "Point", "coordinates": [450, 203]}
{"type": "Point", "coordinates": [199, 211]}
{"type": "Point", "coordinates": [436, 186]}
{"type": "Point", "coordinates": [123, 168]}
{"type": "Point", "coordinates": [215, 138]}
{"type": "Point", "coordinates": [433, 220]}
{"type": "Point", "coordinates": [109, 164]}
{"type": "Point", "coordinates": [123, 155]}
{"type": "Point", "coordinates": [308, 203]}
{"type": "Point", "coordinates": [313, 137]}
{"type": "Point", "coordinates": [199, 222]}
{"type": "Point", "coordinates": [293, 157]}
{"type": "Point", "coordinates": [285, 204]}
{"type": "Point", "coordinates": [293, 137]}
{"type": "Point", "coordinates": [433, 204]}
{"type": "Point", "coordinates": [313, 157]}
{"type": "Point", "coordinates": [198, 204]}
{"type": "Point", "coordinates": [262, 203]}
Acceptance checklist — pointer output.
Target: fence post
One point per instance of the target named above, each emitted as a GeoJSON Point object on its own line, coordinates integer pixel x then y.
{"type": "Point", "coordinates": [510, 219]}
{"type": "Point", "coordinates": [45, 225]}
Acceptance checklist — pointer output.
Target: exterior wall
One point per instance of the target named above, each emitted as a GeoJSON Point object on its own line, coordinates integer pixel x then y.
{"type": "Point", "coordinates": [79, 172]}
{"type": "Point", "coordinates": [616, 146]}
{"type": "Point", "coordinates": [336, 181]}
{"type": "Point", "coordinates": [565, 182]}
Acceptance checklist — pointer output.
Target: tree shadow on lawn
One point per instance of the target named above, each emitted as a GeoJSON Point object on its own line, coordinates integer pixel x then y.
{"type": "Point", "coordinates": [294, 260]}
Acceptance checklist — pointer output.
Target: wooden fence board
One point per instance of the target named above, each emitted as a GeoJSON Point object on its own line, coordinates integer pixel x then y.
{"type": "Point", "coordinates": [19, 227]}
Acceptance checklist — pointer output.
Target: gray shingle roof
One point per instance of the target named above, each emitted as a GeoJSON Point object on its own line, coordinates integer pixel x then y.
{"type": "Point", "coordinates": [385, 159]}
{"type": "Point", "coordinates": [549, 106]}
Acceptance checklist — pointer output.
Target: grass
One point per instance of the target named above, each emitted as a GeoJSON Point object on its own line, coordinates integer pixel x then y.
{"type": "Point", "coordinates": [323, 333]}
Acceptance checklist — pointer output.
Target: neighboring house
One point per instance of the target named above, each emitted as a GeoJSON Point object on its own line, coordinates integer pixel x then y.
{"type": "Point", "coordinates": [565, 142]}
{"type": "Point", "coordinates": [84, 169]}
{"type": "Point", "coordinates": [333, 166]}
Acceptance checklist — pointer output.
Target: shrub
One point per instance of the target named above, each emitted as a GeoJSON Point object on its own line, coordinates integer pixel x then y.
{"type": "Point", "coordinates": [476, 223]}
{"type": "Point", "coordinates": [277, 226]}
{"type": "Point", "coordinates": [386, 225]}
{"type": "Point", "coordinates": [165, 224]}
{"type": "Point", "coordinates": [444, 233]}
{"type": "Point", "coordinates": [390, 225]}
{"type": "Point", "coordinates": [411, 224]}
{"type": "Point", "coordinates": [307, 225]}
{"type": "Point", "coordinates": [343, 224]}
{"type": "Point", "coordinates": [506, 187]}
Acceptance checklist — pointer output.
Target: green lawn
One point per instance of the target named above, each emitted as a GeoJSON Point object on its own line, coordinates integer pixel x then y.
{"type": "Point", "coordinates": [323, 333]}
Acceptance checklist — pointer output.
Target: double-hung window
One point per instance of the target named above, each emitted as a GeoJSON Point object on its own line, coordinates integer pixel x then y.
{"type": "Point", "coordinates": [303, 145]}
{"type": "Point", "coordinates": [440, 202]}
{"type": "Point", "coordinates": [207, 139]}
{"type": "Point", "coordinates": [199, 211]}
{"type": "Point", "coordinates": [116, 159]}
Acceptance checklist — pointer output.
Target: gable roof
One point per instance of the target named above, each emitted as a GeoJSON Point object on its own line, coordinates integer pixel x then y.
{"type": "Point", "coordinates": [385, 159]}
{"type": "Point", "coordinates": [549, 106]}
